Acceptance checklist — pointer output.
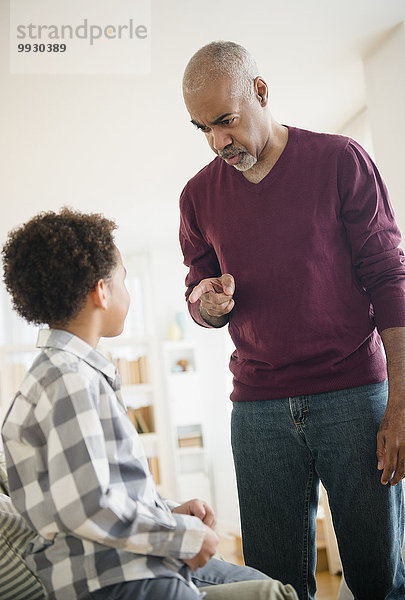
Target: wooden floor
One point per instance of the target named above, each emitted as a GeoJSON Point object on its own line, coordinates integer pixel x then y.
{"type": "Point", "coordinates": [328, 585]}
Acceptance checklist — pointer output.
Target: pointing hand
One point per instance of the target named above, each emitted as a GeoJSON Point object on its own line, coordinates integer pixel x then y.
{"type": "Point", "coordinates": [215, 295]}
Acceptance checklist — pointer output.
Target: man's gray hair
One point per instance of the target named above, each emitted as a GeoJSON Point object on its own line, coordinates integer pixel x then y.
{"type": "Point", "coordinates": [219, 59]}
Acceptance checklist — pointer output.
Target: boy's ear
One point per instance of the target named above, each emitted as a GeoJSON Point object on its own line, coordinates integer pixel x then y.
{"type": "Point", "coordinates": [99, 294]}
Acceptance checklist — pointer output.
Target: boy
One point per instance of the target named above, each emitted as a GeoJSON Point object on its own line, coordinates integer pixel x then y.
{"type": "Point", "coordinates": [77, 470]}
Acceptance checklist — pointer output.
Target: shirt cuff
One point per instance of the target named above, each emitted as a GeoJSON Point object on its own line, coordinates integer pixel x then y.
{"type": "Point", "coordinates": [194, 309]}
{"type": "Point", "coordinates": [389, 313]}
{"type": "Point", "coordinates": [171, 504]}
{"type": "Point", "coordinates": [188, 537]}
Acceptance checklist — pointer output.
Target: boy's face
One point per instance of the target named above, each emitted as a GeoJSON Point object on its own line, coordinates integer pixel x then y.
{"type": "Point", "coordinates": [118, 300]}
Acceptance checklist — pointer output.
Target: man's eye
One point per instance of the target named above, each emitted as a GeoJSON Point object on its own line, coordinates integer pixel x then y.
{"type": "Point", "coordinates": [227, 121]}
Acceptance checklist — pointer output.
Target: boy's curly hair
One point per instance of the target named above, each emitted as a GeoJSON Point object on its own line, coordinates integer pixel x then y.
{"type": "Point", "coordinates": [51, 263]}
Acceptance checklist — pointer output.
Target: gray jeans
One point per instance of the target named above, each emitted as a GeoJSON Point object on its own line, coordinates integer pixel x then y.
{"type": "Point", "coordinates": [218, 580]}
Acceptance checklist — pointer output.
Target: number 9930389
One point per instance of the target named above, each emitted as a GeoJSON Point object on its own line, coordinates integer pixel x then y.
{"type": "Point", "coordinates": [41, 47]}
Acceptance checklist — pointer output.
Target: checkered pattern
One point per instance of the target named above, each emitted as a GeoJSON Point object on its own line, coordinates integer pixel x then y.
{"type": "Point", "coordinates": [79, 477]}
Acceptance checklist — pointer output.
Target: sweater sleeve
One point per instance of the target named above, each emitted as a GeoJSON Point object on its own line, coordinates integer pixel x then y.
{"type": "Point", "coordinates": [199, 255]}
{"type": "Point", "coordinates": [373, 236]}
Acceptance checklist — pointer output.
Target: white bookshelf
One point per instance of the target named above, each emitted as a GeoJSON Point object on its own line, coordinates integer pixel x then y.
{"type": "Point", "coordinates": [187, 421]}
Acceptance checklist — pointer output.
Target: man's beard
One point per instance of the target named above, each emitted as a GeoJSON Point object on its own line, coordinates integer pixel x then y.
{"type": "Point", "coordinates": [246, 161]}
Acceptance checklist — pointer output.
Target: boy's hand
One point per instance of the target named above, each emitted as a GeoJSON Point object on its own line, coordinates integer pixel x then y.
{"type": "Point", "coordinates": [197, 508]}
{"type": "Point", "coordinates": [207, 551]}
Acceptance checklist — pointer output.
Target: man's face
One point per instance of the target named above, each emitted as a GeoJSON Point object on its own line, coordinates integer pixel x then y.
{"type": "Point", "coordinates": [236, 128]}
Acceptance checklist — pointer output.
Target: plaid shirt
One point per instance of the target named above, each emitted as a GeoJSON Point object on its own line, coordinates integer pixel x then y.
{"type": "Point", "coordinates": [79, 476]}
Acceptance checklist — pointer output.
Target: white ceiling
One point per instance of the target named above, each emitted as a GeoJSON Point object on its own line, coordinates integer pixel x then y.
{"type": "Point", "coordinates": [123, 144]}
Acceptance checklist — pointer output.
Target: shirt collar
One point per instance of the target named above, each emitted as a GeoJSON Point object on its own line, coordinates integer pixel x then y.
{"type": "Point", "coordinates": [58, 338]}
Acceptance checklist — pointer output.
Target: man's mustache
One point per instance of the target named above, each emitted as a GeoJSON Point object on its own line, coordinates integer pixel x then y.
{"type": "Point", "coordinates": [230, 151]}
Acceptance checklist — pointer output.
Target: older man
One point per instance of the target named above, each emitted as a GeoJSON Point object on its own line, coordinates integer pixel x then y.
{"type": "Point", "coordinates": [290, 238]}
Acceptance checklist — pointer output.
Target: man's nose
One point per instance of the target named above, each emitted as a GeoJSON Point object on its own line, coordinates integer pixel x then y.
{"type": "Point", "coordinates": [220, 139]}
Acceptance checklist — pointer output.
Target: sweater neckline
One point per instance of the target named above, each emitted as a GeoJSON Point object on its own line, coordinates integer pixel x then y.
{"type": "Point", "coordinates": [282, 161]}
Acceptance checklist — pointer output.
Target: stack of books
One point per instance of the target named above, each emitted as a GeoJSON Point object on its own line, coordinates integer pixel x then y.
{"type": "Point", "coordinates": [142, 418]}
{"type": "Point", "coordinates": [133, 371]}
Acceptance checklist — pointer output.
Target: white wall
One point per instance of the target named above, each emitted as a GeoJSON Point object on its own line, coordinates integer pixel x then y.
{"type": "Point", "coordinates": [359, 129]}
{"type": "Point", "coordinates": [385, 85]}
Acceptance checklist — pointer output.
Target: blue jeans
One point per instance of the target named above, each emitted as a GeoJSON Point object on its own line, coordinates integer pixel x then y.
{"type": "Point", "coordinates": [282, 448]}
{"type": "Point", "coordinates": [215, 572]}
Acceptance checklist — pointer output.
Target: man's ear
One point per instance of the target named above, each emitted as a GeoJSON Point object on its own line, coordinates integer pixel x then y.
{"type": "Point", "coordinates": [99, 294]}
{"type": "Point", "coordinates": [261, 91]}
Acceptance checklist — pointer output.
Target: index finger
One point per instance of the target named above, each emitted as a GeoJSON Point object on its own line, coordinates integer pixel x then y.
{"type": "Point", "coordinates": [200, 289]}
{"type": "Point", "coordinates": [390, 466]}
{"type": "Point", "coordinates": [212, 284]}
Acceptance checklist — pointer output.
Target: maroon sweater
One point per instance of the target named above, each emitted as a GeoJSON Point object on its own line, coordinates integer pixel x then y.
{"type": "Point", "coordinates": [314, 252]}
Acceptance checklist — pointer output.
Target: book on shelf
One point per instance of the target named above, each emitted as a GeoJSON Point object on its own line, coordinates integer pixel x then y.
{"type": "Point", "coordinates": [190, 436]}
{"type": "Point", "coordinates": [132, 371]}
{"type": "Point", "coordinates": [143, 369]}
{"type": "Point", "coordinates": [142, 418]}
{"type": "Point", "coordinates": [190, 441]}
{"type": "Point", "coordinates": [153, 462]}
